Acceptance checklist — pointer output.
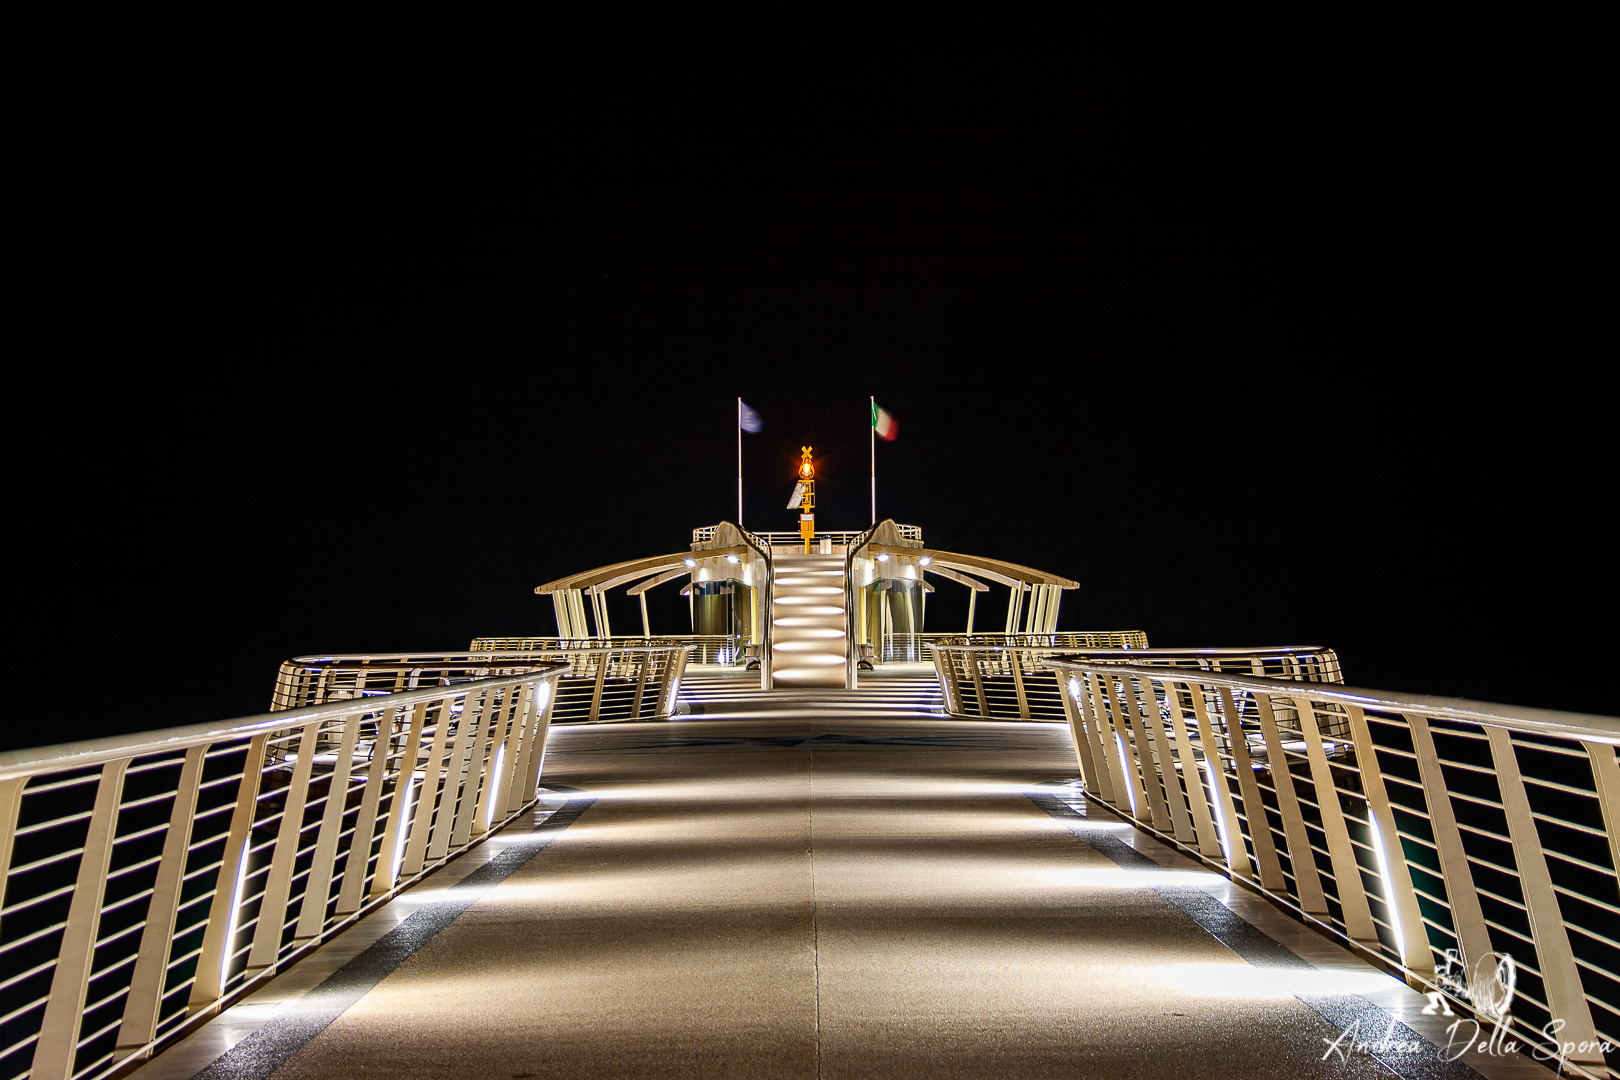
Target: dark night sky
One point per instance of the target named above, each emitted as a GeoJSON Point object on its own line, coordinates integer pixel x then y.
{"type": "Point", "coordinates": [1265, 335]}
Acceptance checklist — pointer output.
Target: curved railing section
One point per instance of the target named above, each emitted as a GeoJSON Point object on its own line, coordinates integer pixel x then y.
{"type": "Point", "coordinates": [1470, 846]}
{"type": "Point", "coordinates": [602, 684]}
{"type": "Point", "coordinates": [1014, 682]}
{"type": "Point", "coordinates": [148, 878]}
{"type": "Point", "coordinates": [913, 647]}
{"type": "Point", "coordinates": [722, 650]}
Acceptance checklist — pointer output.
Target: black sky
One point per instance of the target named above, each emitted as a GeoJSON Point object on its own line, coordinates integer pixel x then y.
{"type": "Point", "coordinates": [1266, 334]}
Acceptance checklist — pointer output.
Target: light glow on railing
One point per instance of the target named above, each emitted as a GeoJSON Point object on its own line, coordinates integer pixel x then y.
{"type": "Point", "coordinates": [1075, 689]}
{"type": "Point", "coordinates": [494, 787]}
{"type": "Point", "coordinates": [1124, 760]}
{"type": "Point", "coordinates": [542, 697]}
{"type": "Point", "coordinates": [1220, 813]}
{"type": "Point", "coordinates": [230, 926]}
{"type": "Point", "coordinates": [1384, 878]}
{"type": "Point", "coordinates": [404, 823]}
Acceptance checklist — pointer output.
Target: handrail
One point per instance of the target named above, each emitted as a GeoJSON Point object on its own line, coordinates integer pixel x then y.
{"type": "Point", "coordinates": [150, 878]}
{"type": "Point", "coordinates": [1569, 725]}
{"type": "Point", "coordinates": [722, 649]}
{"type": "Point", "coordinates": [30, 761]}
{"type": "Point", "coordinates": [1056, 639]}
{"type": "Point", "coordinates": [1468, 845]}
{"type": "Point", "coordinates": [1014, 681]}
{"type": "Point", "coordinates": [602, 684]}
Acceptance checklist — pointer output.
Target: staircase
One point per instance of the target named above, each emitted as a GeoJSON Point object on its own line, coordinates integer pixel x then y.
{"type": "Point", "coordinates": [807, 631]}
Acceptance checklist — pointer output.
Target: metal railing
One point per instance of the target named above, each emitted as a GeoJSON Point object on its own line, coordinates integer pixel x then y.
{"type": "Point", "coordinates": [602, 684]}
{"type": "Point", "coordinates": [148, 878]}
{"type": "Point", "coordinates": [836, 537]}
{"type": "Point", "coordinates": [912, 647]}
{"type": "Point", "coordinates": [1470, 846]}
{"type": "Point", "coordinates": [726, 650]}
{"type": "Point", "coordinates": [1014, 681]}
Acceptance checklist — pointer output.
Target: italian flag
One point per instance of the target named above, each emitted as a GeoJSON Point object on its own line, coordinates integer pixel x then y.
{"type": "Point", "coordinates": [887, 426]}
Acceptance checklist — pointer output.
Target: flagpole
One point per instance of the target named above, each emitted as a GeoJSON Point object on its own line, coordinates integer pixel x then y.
{"type": "Point", "coordinates": [739, 463]}
{"type": "Point", "coordinates": [873, 417]}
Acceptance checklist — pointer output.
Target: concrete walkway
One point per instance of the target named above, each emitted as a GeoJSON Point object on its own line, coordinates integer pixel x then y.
{"type": "Point", "coordinates": [804, 892]}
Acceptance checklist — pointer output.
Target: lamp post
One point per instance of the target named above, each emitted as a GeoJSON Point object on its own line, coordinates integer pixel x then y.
{"type": "Point", "coordinates": [807, 497]}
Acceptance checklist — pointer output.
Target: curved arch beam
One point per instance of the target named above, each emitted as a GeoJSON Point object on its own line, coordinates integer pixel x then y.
{"type": "Point", "coordinates": [606, 577]}
{"type": "Point", "coordinates": [997, 570]}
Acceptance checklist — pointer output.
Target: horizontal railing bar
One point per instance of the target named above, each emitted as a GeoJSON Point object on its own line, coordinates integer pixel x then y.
{"type": "Point", "coordinates": [41, 826]}
{"type": "Point", "coordinates": [34, 901]}
{"type": "Point", "coordinates": [14, 1013]}
{"type": "Point", "coordinates": [1594, 901]}
{"type": "Point", "coordinates": [1580, 726]}
{"type": "Point", "coordinates": [35, 936]}
{"type": "Point", "coordinates": [60, 785]}
{"type": "Point", "coordinates": [1574, 826]}
{"type": "Point", "coordinates": [33, 761]}
{"type": "Point", "coordinates": [21, 975]}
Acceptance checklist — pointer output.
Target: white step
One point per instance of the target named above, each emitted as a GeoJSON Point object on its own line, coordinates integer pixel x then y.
{"type": "Point", "coordinates": [808, 646]}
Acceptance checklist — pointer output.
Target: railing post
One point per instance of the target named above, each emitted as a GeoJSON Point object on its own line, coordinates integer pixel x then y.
{"type": "Point", "coordinates": [1606, 777]}
{"type": "Point", "coordinates": [277, 886]}
{"type": "Point", "coordinates": [1077, 731]}
{"type": "Point", "coordinates": [672, 690]}
{"type": "Point", "coordinates": [1265, 848]}
{"type": "Point", "coordinates": [213, 963]}
{"type": "Point", "coordinates": [1307, 878]}
{"type": "Point", "coordinates": [1018, 683]}
{"type": "Point", "coordinates": [525, 782]}
{"type": "Point", "coordinates": [318, 885]}
{"type": "Point", "coordinates": [1080, 689]}
{"type": "Point", "coordinates": [481, 769]}
{"type": "Point", "coordinates": [1209, 842]}
{"type": "Point", "coordinates": [1237, 856]}
{"type": "Point", "coordinates": [427, 800]}
{"type": "Point", "coordinates": [1168, 773]}
{"type": "Point", "coordinates": [382, 882]}
{"type": "Point", "coordinates": [139, 1025]}
{"type": "Point", "coordinates": [947, 685]}
{"type": "Point", "coordinates": [1113, 744]}
{"type": "Point", "coordinates": [511, 750]}
{"type": "Point", "coordinates": [57, 1047]}
{"type": "Point", "coordinates": [1412, 938]}
{"type": "Point", "coordinates": [601, 681]}
{"type": "Point", "coordinates": [534, 760]}
{"type": "Point", "coordinates": [473, 788]}
{"type": "Point", "coordinates": [1141, 749]}
{"type": "Point", "coordinates": [1346, 870]}
{"type": "Point", "coordinates": [10, 803]}
{"type": "Point", "coordinates": [978, 681]}
{"type": "Point", "coordinates": [1467, 915]}
{"type": "Point", "coordinates": [455, 774]}
{"type": "Point", "coordinates": [641, 679]}
{"type": "Point", "coordinates": [365, 820]}
{"type": "Point", "coordinates": [1566, 999]}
